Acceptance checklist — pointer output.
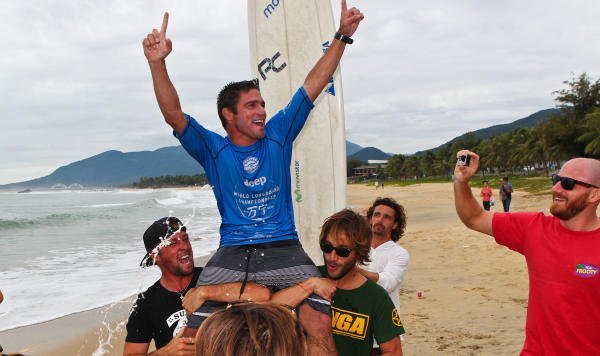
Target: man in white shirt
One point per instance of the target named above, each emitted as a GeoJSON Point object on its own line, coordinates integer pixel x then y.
{"type": "Point", "coordinates": [389, 260]}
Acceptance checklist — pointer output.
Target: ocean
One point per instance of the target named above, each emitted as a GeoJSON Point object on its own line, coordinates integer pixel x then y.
{"type": "Point", "coordinates": [70, 251]}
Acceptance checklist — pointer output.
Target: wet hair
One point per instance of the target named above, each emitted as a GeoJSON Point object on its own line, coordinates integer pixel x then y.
{"type": "Point", "coordinates": [262, 329]}
{"type": "Point", "coordinates": [485, 181]}
{"type": "Point", "coordinates": [229, 96]}
{"type": "Point", "coordinates": [399, 215]}
{"type": "Point", "coordinates": [356, 229]}
{"type": "Point", "coordinates": [505, 178]}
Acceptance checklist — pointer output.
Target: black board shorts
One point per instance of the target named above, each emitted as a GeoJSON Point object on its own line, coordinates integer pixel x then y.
{"type": "Point", "coordinates": [276, 265]}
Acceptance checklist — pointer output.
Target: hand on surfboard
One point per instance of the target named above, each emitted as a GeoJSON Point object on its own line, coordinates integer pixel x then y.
{"type": "Point", "coordinates": [349, 19]}
{"type": "Point", "coordinates": [156, 45]}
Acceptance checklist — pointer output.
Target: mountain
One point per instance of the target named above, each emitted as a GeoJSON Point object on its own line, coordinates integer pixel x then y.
{"type": "Point", "coordinates": [352, 148]}
{"type": "Point", "coordinates": [368, 153]}
{"type": "Point", "coordinates": [113, 168]}
{"type": "Point", "coordinates": [527, 122]}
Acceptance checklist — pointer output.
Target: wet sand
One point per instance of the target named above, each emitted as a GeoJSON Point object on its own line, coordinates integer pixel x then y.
{"type": "Point", "coordinates": [474, 292]}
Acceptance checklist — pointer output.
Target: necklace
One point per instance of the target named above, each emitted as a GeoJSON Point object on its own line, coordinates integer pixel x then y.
{"type": "Point", "coordinates": [184, 290]}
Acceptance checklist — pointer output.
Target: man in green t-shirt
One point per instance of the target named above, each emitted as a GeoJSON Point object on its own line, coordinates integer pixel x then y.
{"type": "Point", "coordinates": [361, 310]}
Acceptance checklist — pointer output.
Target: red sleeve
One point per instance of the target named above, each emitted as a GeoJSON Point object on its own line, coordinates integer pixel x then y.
{"type": "Point", "coordinates": [509, 229]}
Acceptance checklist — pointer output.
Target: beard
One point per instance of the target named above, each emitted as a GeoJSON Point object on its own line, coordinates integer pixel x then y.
{"type": "Point", "coordinates": [344, 268]}
{"type": "Point", "coordinates": [378, 229]}
{"type": "Point", "coordinates": [570, 209]}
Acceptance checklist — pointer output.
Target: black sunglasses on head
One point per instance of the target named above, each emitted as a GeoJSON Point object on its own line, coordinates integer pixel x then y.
{"type": "Point", "coordinates": [340, 251]}
{"type": "Point", "coordinates": [569, 183]}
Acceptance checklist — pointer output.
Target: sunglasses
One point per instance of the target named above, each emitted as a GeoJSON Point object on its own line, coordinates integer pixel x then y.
{"type": "Point", "coordinates": [340, 251]}
{"type": "Point", "coordinates": [569, 183]}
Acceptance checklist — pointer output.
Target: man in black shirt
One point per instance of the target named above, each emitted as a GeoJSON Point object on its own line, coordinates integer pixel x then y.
{"type": "Point", "coordinates": [158, 312]}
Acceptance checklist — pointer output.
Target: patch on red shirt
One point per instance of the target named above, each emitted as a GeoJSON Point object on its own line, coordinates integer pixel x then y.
{"type": "Point", "coordinates": [586, 271]}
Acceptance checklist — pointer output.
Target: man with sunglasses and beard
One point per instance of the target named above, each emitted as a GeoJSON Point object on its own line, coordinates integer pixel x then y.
{"type": "Point", "coordinates": [562, 253]}
{"type": "Point", "coordinates": [361, 310]}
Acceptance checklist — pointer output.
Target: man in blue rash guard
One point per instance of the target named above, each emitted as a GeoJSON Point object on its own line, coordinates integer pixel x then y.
{"type": "Point", "coordinates": [249, 169]}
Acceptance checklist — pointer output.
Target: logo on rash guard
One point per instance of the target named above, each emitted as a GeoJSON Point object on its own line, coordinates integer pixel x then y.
{"type": "Point", "coordinates": [251, 164]}
{"type": "Point", "coordinates": [586, 271]}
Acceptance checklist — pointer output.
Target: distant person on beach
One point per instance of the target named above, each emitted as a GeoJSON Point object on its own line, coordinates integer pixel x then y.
{"type": "Point", "coordinates": [376, 185]}
{"type": "Point", "coordinates": [562, 253]}
{"type": "Point", "coordinates": [362, 311]}
{"type": "Point", "coordinates": [505, 191]}
{"type": "Point", "coordinates": [250, 169]}
{"type": "Point", "coordinates": [389, 261]}
{"type": "Point", "coordinates": [158, 312]}
{"type": "Point", "coordinates": [486, 194]}
{"type": "Point", "coordinates": [252, 329]}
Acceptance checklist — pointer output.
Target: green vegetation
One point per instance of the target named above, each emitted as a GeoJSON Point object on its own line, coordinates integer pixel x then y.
{"type": "Point", "coordinates": [171, 181]}
{"type": "Point", "coordinates": [573, 132]}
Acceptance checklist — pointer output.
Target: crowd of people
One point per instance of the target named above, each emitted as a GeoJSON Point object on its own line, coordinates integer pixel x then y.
{"type": "Point", "coordinates": [260, 293]}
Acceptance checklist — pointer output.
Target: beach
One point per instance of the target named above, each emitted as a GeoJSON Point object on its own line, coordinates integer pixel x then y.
{"type": "Point", "coordinates": [473, 292]}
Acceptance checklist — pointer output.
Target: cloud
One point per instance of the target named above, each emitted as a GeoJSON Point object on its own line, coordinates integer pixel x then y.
{"type": "Point", "coordinates": [74, 81]}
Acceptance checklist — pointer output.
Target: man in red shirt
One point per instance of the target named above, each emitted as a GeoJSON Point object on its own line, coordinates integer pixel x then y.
{"type": "Point", "coordinates": [562, 253]}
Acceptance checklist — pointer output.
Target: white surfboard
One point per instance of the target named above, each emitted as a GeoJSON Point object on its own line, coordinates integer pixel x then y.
{"type": "Point", "coordinates": [287, 37]}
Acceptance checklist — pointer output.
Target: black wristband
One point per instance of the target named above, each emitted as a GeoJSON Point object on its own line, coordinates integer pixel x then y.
{"type": "Point", "coordinates": [343, 38]}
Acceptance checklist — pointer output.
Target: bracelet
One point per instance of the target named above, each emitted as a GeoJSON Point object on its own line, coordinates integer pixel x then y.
{"type": "Point", "coordinates": [343, 38]}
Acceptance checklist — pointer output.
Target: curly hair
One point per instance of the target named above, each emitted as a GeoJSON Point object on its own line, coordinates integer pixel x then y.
{"type": "Point", "coordinates": [399, 216]}
{"type": "Point", "coordinates": [230, 95]}
{"type": "Point", "coordinates": [262, 329]}
{"type": "Point", "coordinates": [356, 229]}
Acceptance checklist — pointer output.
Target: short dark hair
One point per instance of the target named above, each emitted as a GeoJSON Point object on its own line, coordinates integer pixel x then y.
{"type": "Point", "coordinates": [356, 229]}
{"type": "Point", "coordinates": [399, 216]}
{"type": "Point", "coordinates": [505, 178]}
{"type": "Point", "coordinates": [230, 95]}
{"type": "Point", "coordinates": [485, 181]}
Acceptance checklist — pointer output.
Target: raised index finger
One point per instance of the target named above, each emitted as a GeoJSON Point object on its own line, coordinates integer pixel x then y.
{"type": "Point", "coordinates": [344, 6]}
{"type": "Point", "coordinates": [163, 28]}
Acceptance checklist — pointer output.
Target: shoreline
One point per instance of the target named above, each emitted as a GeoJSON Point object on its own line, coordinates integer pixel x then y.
{"type": "Point", "coordinates": [474, 292]}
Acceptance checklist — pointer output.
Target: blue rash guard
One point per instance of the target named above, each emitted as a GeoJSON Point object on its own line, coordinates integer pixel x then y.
{"type": "Point", "coordinates": [252, 184]}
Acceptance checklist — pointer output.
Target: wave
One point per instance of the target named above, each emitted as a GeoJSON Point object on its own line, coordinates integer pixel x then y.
{"type": "Point", "coordinates": [48, 220]}
{"type": "Point", "coordinates": [105, 205]}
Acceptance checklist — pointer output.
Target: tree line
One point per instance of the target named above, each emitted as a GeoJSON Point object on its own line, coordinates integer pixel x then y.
{"type": "Point", "coordinates": [171, 181]}
{"type": "Point", "coordinates": [574, 131]}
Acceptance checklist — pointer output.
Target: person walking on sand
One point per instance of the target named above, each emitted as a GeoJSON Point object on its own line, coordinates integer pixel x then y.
{"type": "Point", "coordinates": [250, 170]}
{"type": "Point", "coordinates": [486, 194]}
{"type": "Point", "coordinates": [563, 312]}
{"type": "Point", "coordinates": [505, 191]}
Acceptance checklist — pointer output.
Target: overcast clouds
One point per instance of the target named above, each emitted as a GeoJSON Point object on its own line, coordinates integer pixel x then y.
{"type": "Point", "coordinates": [74, 81]}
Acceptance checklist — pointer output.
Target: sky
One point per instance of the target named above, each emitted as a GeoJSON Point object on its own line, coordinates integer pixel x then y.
{"type": "Point", "coordinates": [74, 81]}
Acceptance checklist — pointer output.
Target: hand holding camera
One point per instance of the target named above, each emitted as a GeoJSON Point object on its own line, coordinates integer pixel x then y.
{"type": "Point", "coordinates": [466, 165]}
{"type": "Point", "coordinates": [463, 160]}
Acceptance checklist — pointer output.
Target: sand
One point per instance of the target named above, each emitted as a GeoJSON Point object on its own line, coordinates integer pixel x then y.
{"type": "Point", "coordinates": [474, 292]}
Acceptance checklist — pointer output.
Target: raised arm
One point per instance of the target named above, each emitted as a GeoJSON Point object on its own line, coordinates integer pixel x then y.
{"type": "Point", "coordinates": [323, 70]}
{"type": "Point", "coordinates": [156, 48]}
{"type": "Point", "coordinates": [467, 208]}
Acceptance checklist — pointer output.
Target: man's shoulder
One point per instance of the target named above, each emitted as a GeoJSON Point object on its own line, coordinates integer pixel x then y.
{"type": "Point", "coordinates": [391, 247]}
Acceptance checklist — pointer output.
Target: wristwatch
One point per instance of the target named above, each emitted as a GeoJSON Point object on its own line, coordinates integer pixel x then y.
{"type": "Point", "coordinates": [343, 38]}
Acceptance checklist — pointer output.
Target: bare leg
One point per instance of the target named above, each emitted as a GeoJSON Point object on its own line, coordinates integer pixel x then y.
{"type": "Point", "coordinates": [318, 329]}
